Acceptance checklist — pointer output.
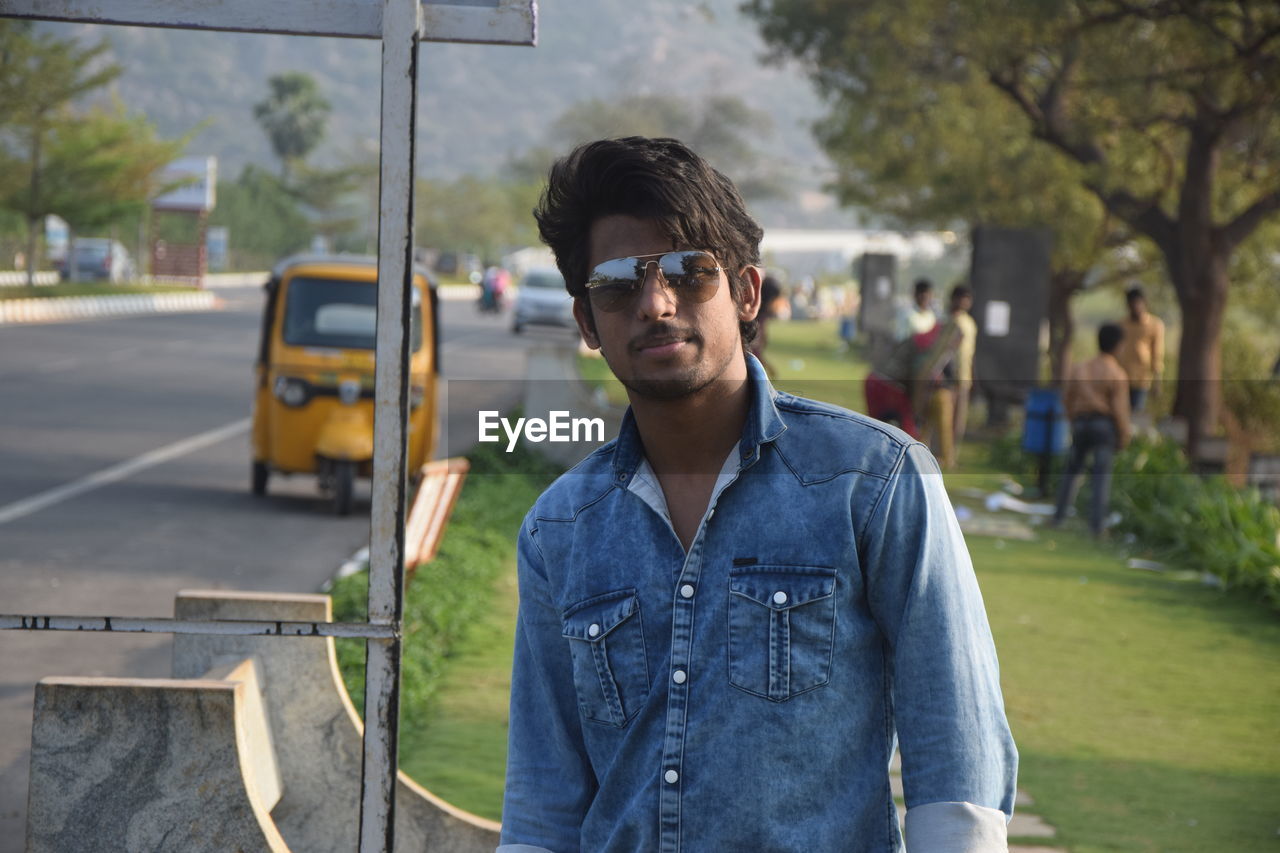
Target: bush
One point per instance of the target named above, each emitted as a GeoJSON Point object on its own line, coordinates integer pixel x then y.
{"type": "Point", "coordinates": [1204, 523]}
{"type": "Point", "coordinates": [1201, 522]}
{"type": "Point", "coordinates": [447, 594]}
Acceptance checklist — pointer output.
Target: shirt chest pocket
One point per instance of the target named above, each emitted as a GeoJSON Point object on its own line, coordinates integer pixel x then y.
{"type": "Point", "coordinates": [610, 669]}
{"type": "Point", "coordinates": [781, 629]}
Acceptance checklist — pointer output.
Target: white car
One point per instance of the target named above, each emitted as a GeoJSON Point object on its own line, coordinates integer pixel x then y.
{"type": "Point", "coordinates": [543, 301]}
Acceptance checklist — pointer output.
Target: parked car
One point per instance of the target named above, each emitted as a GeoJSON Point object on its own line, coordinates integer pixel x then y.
{"type": "Point", "coordinates": [542, 300]}
{"type": "Point", "coordinates": [97, 258]}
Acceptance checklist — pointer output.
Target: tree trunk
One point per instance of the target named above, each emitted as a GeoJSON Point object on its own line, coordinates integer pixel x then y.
{"type": "Point", "coordinates": [1063, 285]}
{"type": "Point", "coordinates": [1202, 287]}
{"type": "Point", "coordinates": [31, 251]}
{"type": "Point", "coordinates": [33, 204]}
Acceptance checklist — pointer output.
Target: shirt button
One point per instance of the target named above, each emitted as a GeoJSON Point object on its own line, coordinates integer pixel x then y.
{"type": "Point", "coordinates": [593, 630]}
{"type": "Point", "coordinates": [687, 591]}
{"type": "Point", "coordinates": [779, 597]}
{"type": "Point", "coordinates": [671, 776]}
{"type": "Point", "coordinates": [679, 676]}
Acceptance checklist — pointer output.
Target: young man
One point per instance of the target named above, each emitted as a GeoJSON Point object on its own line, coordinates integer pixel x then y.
{"type": "Point", "coordinates": [1141, 351]}
{"type": "Point", "coordinates": [1097, 402]}
{"type": "Point", "coordinates": [731, 614]}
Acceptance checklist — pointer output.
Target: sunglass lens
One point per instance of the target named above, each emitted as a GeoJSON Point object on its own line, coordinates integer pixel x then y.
{"type": "Point", "coordinates": [613, 283]}
{"type": "Point", "coordinates": [695, 275]}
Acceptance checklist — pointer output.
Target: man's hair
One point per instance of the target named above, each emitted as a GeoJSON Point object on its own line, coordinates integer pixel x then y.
{"type": "Point", "coordinates": [660, 180]}
{"type": "Point", "coordinates": [923, 285]}
{"type": "Point", "coordinates": [1134, 293]}
{"type": "Point", "coordinates": [960, 291]}
{"type": "Point", "coordinates": [1109, 337]}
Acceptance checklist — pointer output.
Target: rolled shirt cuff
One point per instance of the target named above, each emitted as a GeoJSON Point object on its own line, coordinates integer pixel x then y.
{"type": "Point", "coordinates": [956, 828]}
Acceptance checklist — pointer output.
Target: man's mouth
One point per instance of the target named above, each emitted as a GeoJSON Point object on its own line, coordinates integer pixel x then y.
{"type": "Point", "coordinates": [661, 345]}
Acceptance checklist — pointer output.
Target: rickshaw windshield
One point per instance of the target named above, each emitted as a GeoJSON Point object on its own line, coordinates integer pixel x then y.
{"type": "Point", "coordinates": [330, 312]}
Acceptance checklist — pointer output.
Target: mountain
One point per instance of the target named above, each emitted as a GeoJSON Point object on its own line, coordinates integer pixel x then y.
{"type": "Point", "coordinates": [478, 103]}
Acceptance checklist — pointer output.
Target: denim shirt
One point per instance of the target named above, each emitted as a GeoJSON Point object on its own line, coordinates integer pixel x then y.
{"type": "Point", "coordinates": [749, 694]}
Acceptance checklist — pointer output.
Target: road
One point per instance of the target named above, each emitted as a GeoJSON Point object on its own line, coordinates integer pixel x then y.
{"type": "Point", "coordinates": [124, 470]}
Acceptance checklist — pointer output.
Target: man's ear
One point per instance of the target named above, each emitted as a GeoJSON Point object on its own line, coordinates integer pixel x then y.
{"type": "Point", "coordinates": [586, 322]}
{"type": "Point", "coordinates": [749, 306]}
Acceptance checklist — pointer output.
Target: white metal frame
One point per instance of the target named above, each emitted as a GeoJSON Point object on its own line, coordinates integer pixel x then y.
{"type": "Point", "coordinates": [400, 25]}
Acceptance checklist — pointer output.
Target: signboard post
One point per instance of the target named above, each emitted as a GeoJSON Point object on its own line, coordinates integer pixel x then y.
{"type": "Point", "coordinates": [400, 25]}
{"type": "Point", "coordinates": [1010, 278]}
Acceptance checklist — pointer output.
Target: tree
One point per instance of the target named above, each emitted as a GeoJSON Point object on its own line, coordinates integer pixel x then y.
{"type": "Point", "coordinates": [39, 77]}
{"type": "Point", "coordinates": [483, 216]}
{"type": "Point", "coordinates": [331, 197]}
{"type": "Point", "coordinates": [931, 153]}
{"type": "Point", "coordinates": [721, 128]}
{"type": "Point", "coordinates": [104, 166]}
{"type": "Point", "coordinates": [293, 116]}
{"type": "Point", "coordinates": [263, 216]}
{"type": "Point", "coordinates": [1166, 107]}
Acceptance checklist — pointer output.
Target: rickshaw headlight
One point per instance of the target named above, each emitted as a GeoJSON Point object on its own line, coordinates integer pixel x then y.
{"type": "Point", "coordinates": [349, 392]}
{"type": "Point", "coordinates": [292, 392]}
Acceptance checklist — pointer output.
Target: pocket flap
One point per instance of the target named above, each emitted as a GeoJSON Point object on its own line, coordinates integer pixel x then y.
{"type": "Point", "coordinates": [593, 619]}
{"type": "Point", "coordinates": [783, 587]}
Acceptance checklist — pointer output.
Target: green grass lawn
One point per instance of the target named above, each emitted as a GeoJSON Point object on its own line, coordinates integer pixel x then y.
{"type": "Point", "coordinates": [1146, 709]}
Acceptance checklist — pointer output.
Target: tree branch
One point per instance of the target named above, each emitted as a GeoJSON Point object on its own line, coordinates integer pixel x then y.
{"type": "Point", "coordinates": [1238, 230]}
{"type": "Point", "coordinates": [1143, 215]}
{"type": "Point", "coordinates": [1047, 127]}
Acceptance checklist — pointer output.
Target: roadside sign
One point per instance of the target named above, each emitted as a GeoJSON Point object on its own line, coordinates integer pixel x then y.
{"type": "Point", "coordinates": [198, 193]}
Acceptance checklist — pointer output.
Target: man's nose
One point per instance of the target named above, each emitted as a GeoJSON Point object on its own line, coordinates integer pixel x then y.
{"type": "Point", "coordinates": [656, 297]}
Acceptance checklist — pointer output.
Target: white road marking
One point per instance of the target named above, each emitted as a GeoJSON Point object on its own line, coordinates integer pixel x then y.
{"type": "Point", "coordinates": [121, 471]}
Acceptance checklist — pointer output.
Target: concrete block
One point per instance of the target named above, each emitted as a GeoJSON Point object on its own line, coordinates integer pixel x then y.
{"type": "Point", "coordinates": [316, 730]}
{"type": "Point", "coordinates": [144, 764]}
{"type": "Point", "coordinates": [260, 755]}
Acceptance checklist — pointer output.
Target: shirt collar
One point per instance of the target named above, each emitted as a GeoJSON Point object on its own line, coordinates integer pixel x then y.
{"type": "Point", "coordinates": [764, 424]}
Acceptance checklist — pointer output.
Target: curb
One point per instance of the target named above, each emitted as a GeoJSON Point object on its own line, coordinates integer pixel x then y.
{"type": "Point", "coordinates": [56, 309]}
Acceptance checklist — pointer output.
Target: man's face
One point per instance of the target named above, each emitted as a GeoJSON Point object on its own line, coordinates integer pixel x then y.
{"type": "Point", "coordinates": [661, 346]}
{"type": "Point", "coordinates": [923, 298]}
{"type": "Point", "coordinates": [1137, 306]}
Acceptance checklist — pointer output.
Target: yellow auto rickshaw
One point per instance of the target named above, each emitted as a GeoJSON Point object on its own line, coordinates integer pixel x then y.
{"type": "Point", "coordinates": [313, 400]}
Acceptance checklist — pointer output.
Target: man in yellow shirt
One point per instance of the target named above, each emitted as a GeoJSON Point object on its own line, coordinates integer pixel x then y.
{"type": "Point", "coordinates": [1142, 350]}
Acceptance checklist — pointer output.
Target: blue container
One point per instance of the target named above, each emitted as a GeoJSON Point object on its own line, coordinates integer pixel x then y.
{"type": "Point", "coordinates": [1045, 429]}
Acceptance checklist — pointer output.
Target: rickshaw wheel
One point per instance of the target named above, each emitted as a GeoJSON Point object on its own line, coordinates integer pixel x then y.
{"type": "Point", "coordinates": [260, 474]}
{"type": "Point", "coordinates": [344, 482]}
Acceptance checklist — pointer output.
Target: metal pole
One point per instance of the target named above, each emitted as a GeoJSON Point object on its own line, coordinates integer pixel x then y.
{"type": "Point", "coordinates": [400, 26]}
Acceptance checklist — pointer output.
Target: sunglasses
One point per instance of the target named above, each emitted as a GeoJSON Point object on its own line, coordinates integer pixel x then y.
{"type": "Point", "coordinates": [693, 276]}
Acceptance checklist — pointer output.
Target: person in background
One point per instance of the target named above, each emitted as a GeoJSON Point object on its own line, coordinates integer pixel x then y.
{"type": "Point", "coordinates": [961, 302]}
{"type": "Point", "coordinates": [1097, 403]}
{"type": "Point", "coordinates": [849, 316]}
{"type": "Point", "coordinates": [1142, 351]}
{"type": "Point", "coordinates": [920, 318]}
{"type": "Point", "coordinates": [770, 293]}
